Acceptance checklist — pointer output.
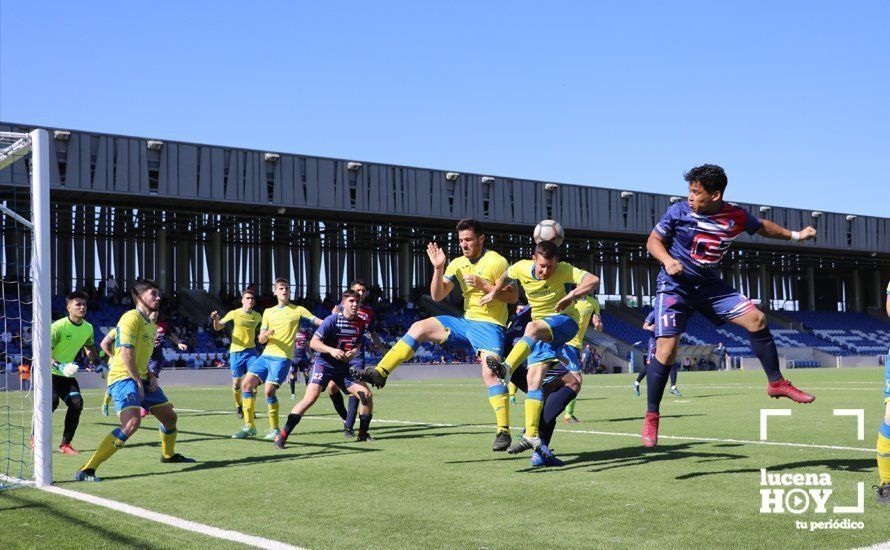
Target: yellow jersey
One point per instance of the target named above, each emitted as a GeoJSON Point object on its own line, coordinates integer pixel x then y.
{"type": "Point", "coordinates": [285, 321]}
{"type": "Point", "coordinates": [490, 266]}
{"type": "Point", "coordinates": [544, 294]}
{"type": "Point", "coordinates": [244, 324]}
{"type": "Point", "coordinates": [586, 306]}
{"type": "Point", "coordinates": [134, 331]}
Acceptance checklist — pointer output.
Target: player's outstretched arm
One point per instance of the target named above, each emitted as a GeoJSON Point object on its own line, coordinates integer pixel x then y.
{"type": "Point", "coordinates": [214, 316]}
{"type": "Point", "coordinates": [588, 283]}
{"type": "Point", "coordinates": [655, 246]}
{"type": "Point", "coordinates": [772, 230]}
{"type": "Point", "coordinates": [509, 293]}
{"type": "Point", "coordinates": [439, 286]}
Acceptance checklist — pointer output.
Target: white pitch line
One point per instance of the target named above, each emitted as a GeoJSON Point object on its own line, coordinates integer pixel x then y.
{"type": "Point", "coordinates": [618, 434]}
{"type": "Point", "coordinates": [173, 521]}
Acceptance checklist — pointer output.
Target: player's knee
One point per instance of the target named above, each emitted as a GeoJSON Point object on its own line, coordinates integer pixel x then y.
{"type": "Point", "coordinates": [757, 322]}
{"type": "Point", "coordinates": [132, 424]}
{"type": "Point", "coordinates": [75, 402]}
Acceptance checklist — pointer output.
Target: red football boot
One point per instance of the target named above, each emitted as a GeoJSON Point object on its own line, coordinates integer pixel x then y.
{"type": "Point", "coordinates": [650, 429]}
{"type": "Point", "coordinates": [67, 449]}
{"type": "Point", "coordinates": [784, 388]}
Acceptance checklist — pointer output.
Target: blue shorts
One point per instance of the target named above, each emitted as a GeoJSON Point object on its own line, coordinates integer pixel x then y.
{"type": "Point", "coordinates": [322, 374]}
{"type": "Point", "coordinates": [675, 303]}
{"type": "Point", "coordinates": [572, 357]}
{"type": "Point", "coordinates": [239, 360]}
{"type": "Point", "coordinates": [563, 328]}
{"type": "Point", "coordinates": [126, 396]}
{"type": "Point", "coordinates": [269, 369]}
{"type": "Point", "coordinates": [480, 335]}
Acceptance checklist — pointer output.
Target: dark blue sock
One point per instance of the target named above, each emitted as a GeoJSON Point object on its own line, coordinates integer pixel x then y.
{"type": "Point", "coordinates": [554, 405]}
{"type": "Point", "coordinates": [658, 375]}
{"type": "Point", "coordinates": [351, 412]}
{"type": "Point", "coordinates": [642, 374]}
{"type": "Point", "coordinates": [674, 370]}
{"type": "Point", "coordinates": [337, 400]}
{"type": "Point", "coordinates": [764, 347]}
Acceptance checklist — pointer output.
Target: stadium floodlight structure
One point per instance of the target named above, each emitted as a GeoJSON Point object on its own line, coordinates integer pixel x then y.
{"type": "Point", "coordinates": [17, 456]}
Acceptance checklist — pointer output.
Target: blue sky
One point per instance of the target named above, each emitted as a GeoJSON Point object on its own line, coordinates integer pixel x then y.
{"type": "Point", "coordinates": [790, 97]}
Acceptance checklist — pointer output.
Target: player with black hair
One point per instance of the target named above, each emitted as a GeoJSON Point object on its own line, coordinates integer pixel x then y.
{"type": "Point", "coordinates": [68, 336]}
{"type": "Point", "coordinates": [690, 241]}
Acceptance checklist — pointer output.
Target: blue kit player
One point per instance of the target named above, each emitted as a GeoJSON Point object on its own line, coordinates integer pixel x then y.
{"type": "Point", "coordinates": [336, 342]}
{"type": "Point", "coordinates": [690, 242]}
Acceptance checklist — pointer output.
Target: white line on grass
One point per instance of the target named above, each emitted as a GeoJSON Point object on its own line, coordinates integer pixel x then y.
{"type": "Point", "coordinates": [619, 434]}
{"type": "Point", "coordinates": [173, 521]}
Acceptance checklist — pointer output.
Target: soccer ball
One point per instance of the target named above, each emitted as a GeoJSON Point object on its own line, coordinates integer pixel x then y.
{"type": "Point", "coordinates": [70, 369]}
{"type": "Point", "coordinates": [549, 230]}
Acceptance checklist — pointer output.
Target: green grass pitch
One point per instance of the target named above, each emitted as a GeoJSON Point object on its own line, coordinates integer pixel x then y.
{"type": "Point", "coordinates": [430, 479]}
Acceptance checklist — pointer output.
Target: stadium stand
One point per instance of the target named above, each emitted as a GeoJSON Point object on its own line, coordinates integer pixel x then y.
{"type": "Point", "coordinates": [852, 333]}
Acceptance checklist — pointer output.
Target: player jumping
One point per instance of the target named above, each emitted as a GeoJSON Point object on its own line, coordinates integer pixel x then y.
{"type": "Point", "coordinates": [690, 241]}
{"type": "Point", "coordinates": [481, 327]}
{"type": "Point", "coordinates": [555, 321]}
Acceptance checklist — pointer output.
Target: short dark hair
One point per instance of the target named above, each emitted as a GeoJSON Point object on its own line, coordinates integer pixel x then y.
{"type": "Point", "coordinates": [247, 291]}
{"type": "Point", "coordinates": [711, 177]}
{"type": "Point", "coordinates": [281, 280]}
{"type": "Point", "coordinates": [76, 295]}
{"type": "Point", "coordinates": [472, 224]}
{"type": "Point", "coordinates": [547, 250]}
{"type": "Point", "coordinates": [357, 282]}
{"type": "Point", "coordinates": [141, 285]}
{"type": "Point", "coordinates": [348, 294]}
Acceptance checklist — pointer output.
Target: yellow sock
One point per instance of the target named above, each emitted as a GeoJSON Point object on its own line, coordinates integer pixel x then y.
{"type": "Point", "coordinates": [519, 353]}
{"type": "Point", "coordinates": [168, 441]}
{"type": "Point", "coordinates": [534, 402]}
{"type": "Point", "coordinates": [497, 396]}
{"type": "Point", "coordinates": [107, 399]}
{"type": "Point", "coordinates": [273, 412]}
{"type": "Point", "coordinates": [884, 453]}
{"type": "Point", "coordinates": [248, 410]}
{"type": "Point", "coordinates": [401, 352]}
{"type": "Point", "coordinates": [112, 442]}
{"type": "Point", "coordinates": [236, 393]}
{"type": "Point", "coordinates": [511, 388]}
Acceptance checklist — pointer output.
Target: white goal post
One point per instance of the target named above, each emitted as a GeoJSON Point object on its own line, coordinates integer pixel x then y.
{"type": "Point", "coordinates": [14, 147]}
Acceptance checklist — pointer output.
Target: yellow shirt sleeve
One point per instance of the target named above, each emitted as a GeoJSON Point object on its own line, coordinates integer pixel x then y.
{"type": "Point", "coordinates": [305, 313]}
{"type": "Point", "coordinates": [230, 316]}
{"type": "Point", "coordinates": [495, 269]}
{"type": "Point", "coordinates": [577, 274]}
{"type": "Point", "coordinates": [596, 305]}
{"type": "Point", "coordinates": [264, 324]}
{"type": "Point", "coordinates": [513, 271]}
{"type": "Point", "coordinates": [128, 330]}
{"type": "Point", "coordinates": [451, 271]}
